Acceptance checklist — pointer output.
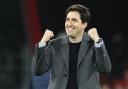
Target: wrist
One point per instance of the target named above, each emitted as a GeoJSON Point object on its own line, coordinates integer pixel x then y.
{"type": "Point", "coordinates": [98, 40]}
{"type": "Point", "coordinates": [43, 41]}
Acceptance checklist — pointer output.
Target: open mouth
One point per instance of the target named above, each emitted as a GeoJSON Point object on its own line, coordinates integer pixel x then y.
{"type": "Point", "coordinates": [70, 29]}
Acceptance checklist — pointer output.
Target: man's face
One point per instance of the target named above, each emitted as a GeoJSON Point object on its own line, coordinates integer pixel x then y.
{"type": "Point", "coordinates": [73, 24]}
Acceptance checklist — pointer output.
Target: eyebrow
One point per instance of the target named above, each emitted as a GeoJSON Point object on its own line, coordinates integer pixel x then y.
{"type": "Point", "coordinates": [74, 19]}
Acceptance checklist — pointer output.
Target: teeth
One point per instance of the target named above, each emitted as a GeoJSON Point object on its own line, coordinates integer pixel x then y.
{"type": "Point", "coordinates": [70, 28]}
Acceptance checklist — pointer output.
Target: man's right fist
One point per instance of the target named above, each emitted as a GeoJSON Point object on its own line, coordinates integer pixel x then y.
{"type": "Point", "coordinates": [47, 36]}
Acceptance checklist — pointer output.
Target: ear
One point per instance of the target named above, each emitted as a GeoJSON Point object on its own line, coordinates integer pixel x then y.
{"type": "Point", "coordinates": [85, 25]}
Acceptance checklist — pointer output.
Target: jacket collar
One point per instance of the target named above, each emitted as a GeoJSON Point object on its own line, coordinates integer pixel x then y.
{"type": "Point", "coordinates": [82, 51]}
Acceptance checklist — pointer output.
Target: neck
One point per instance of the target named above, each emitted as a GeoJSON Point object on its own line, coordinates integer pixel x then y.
{"type": "Point", "coordinates": [76, 39]}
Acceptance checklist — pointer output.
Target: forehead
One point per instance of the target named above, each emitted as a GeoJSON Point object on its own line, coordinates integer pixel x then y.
{"type": "Point", "coordinates": [73, 14]}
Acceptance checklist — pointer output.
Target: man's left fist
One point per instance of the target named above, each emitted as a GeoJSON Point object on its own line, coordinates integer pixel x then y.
{"type": "Point", "coordinates": [93, 34]}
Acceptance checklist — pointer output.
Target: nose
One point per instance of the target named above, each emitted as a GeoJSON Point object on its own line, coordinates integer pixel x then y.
{"type": "Point", "coordinates": [69, 23]}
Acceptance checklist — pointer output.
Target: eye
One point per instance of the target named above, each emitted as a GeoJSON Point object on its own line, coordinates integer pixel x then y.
{"type": "Point", "coordinates": [74, 20]}
{"type": "Point", "coordinates": [67, 19]}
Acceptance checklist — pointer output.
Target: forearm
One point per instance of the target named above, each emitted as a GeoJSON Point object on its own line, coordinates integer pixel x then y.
{"type": "Point", "coordinates": [103, 63]}
{"type": "Point", "coordinates": [41, 60]}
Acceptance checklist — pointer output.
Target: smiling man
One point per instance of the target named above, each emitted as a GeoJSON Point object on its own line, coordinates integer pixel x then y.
{"type": "Point", "coordinates": [75, 60]}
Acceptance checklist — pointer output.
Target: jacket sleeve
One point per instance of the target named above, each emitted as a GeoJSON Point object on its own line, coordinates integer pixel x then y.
{"type": "Point", "coordinates": [103, 63]}
{"type": "Point", "coordinates": [41, 60]}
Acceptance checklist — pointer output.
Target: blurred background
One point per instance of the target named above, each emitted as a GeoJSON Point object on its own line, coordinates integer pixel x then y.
{"type": "Point", "coordinates": [23, 22]}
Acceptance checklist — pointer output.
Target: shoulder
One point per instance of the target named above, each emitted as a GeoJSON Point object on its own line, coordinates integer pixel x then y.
{"type": "Point", "coordinates": [58, 40]}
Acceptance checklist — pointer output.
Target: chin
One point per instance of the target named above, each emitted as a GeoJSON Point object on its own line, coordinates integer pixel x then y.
{"type": "Point", "coordinates": [71, 36]}
{"type": "Point", "coordinates": [68, 34]}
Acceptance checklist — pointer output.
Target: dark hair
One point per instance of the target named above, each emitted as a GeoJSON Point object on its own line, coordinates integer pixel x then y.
{"type": "Point", "coordinates": [84, 12]}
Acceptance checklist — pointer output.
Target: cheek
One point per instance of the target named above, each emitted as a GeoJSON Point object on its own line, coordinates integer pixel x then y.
{"type": "Point", "coordinates": [78, 27]}
{"type": "Point", "coordinates": [66, 23]}
{"type": "Point", "coordinates": [81, 26]}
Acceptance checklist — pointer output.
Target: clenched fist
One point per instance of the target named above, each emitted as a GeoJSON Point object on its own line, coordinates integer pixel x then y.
{"type": "Point", "coordinates": [47, 36]}
{"type": "Point", "coordinates": [93, 34]}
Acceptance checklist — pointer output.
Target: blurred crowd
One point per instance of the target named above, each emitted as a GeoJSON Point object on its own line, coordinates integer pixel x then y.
{"type": "Point", "coordinates": [116, 83]}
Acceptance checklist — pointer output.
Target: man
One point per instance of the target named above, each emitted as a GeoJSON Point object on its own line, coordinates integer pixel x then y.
{"type": "Point", "coordinates": [74, 60]}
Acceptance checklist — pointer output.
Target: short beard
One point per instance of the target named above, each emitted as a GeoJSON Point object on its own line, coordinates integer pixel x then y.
{"type": "Point", "coordinates": [71, 36]}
